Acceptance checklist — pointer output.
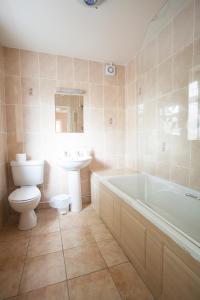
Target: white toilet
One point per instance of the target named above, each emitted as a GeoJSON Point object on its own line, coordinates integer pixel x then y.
{"type": "Point", "coordinates": [26, 174]}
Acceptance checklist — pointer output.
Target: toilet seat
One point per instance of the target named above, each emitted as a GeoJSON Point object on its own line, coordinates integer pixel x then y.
{"type": "Point", "coordinates": [24, 194]}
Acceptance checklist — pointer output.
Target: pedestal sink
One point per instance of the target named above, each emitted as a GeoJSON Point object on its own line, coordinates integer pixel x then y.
{"type": "Point", "coordinates": [73, 166]}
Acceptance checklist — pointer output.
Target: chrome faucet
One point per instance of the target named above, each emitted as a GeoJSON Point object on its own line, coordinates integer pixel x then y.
{"type": "Point", "coordinates": [192, 196]}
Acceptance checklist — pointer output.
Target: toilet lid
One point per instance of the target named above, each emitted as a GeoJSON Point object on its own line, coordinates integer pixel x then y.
{"type": "Point", "coordinates": [24, 194]}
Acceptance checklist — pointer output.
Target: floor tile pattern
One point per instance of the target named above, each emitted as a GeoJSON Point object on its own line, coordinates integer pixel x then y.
{"type": "Point", "coordinates": [68, 257]}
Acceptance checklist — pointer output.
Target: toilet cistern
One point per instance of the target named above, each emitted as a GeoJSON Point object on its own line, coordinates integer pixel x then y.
{"type": "Point", "coordinates": [73, 162]}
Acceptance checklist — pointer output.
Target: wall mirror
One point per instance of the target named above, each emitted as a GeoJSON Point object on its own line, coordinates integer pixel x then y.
{"type": "Point", "coordinates": [69, 105]}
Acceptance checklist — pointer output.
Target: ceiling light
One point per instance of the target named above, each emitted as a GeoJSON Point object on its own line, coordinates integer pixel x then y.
{"type": "Point", "coordinates": [92, 3]}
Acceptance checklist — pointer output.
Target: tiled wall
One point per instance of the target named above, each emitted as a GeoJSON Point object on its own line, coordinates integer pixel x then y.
{"type": "Point", "coordinates": [31, 120]}
{"type": "Point", "coordinates": [3, 145]}
{"type": "Point", "coordinates": [157, 94]}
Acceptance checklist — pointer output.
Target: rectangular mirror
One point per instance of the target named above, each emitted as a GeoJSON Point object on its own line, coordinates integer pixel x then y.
{"type": "Point", "coordinates": [68, 113]}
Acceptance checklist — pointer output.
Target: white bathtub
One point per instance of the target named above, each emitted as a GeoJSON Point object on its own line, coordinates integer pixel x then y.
{"type": "Point", "coordinates": [164, 203]}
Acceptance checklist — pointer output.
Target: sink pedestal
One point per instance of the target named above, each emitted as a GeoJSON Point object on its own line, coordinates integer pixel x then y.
{"type": "Point", "coordinates": [74, 185]}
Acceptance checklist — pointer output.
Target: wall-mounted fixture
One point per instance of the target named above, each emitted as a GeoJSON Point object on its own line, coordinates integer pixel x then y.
{"type": "Point", "coordinates": [67, 91]}
{"type": "Point", "coordinates": [69, 110]}
{"type": "Point", "coordinates": [92, 3]}
{"type": "Point", "coordinates": [110, 69]}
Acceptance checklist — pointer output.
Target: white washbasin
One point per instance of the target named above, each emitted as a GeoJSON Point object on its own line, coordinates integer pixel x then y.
{"type": "Point", "coordinates": [70, 164]}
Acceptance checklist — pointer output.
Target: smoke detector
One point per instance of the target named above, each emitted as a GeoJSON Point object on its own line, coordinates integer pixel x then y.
{"type": "Point", "coordinates": [92, 3]}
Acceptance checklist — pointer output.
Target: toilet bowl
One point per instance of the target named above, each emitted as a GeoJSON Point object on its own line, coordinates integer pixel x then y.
{"type": "Point", "coordinates": [26, 175]}
{"type": "Point", "coordinates": [24, 200]}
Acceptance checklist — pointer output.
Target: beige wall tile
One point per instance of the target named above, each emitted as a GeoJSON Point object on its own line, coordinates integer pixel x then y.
{"type": "Point", "coordinates": [12, 61]}
{"type": "Point", "coordinates": [96, 96]}
{"type": "Point", "coordinates": [110, 96]}
{"type": "Point", "coordinates": [32, 128]}
{"type": "Point", "coordinates": [130, 72]}
{"type": "Point", "coordinates": [121, 75]}
{"type": "Point", "coordinates": [30, 91]}
{"type": "Point", "coordinates": [182, 67]}
{"type": "Point", "coordinates": [197, 19]}
{"type": "Point", "coordinates": [65, 68]}
{"type": "Point", "coordinates": [81, 70]}
{"type": "Point", "coordinates": [195, 155]}
{"type": "Point", "coordinates": [165, 77]}
{"type": "Point", "coordinates": [196, 57]}
{"type": "Point", "coordinates": [95, 72]}
{"type": "Point", "coordinates": [165, 43]}
{"type": "Point", "coordinates": [29, 63]}
{"type": "Point", "coordinates": [47, 91]}
{"type": "Point", "coordinates": [12, 90]}
{"type": "Point", "coordinates": [180, 175]}
{"type": "Point", "coordinates": [31, 119]}
{"type": "Point", "coordinates": [183, 27]}
{"type": "Point", "coordinates": [48, 66]}
{"type": "Point", "coordinates": [14, 118]}
{"type": "Point", "coordinates": [194, 179]}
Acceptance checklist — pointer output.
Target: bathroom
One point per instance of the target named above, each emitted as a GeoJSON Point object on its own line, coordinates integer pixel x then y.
{"type": "Point", "coordinates": [107, 207]}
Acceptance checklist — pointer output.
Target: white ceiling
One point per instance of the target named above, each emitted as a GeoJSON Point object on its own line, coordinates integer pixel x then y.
{"type": "Point", "coordinates": [114, 32]}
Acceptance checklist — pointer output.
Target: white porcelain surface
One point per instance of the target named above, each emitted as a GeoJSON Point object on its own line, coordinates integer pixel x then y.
{"type": "Point", "coordinates": [75, 164]}
{"type": "Point", "coordinates": [28, 218]}
{"type": "Point", "coordinates": [26, 174]}
{"type": "Point", "coordinates": [29, 172]}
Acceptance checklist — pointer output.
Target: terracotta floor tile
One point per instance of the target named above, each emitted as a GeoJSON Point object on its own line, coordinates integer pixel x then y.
{"type": "Point", "coordinates": [72, 221]}
{"type": "Point", "coordinates": [76, 237]}
{"type": "Point", "coordinates": [47, 214]}
{"type": "Point", "coordinates": [47, 226]}
{"type": "Point", "coordinates": [11, 232]}
{"type": "Point", "coordinates": [92, 218]}
{"type": "Point", "coordinates": [13, 248]}
{"type": "Point", "coordinates": [45, 243]}
{"type": "Point", "coordinates": [83, 260]}
{"type": "Point", "coordinates": [98, 285]}
{"type": "Point", "coordinates": [10, 275]}
{"type": "Point", "coordinates": [57, 291]}
{"type": "Point", "coordinates": [129, 284]}
{"type": "Point", "coordinates": [100, 232]}
{"type": "Point", "coordinates": [43, 270]}
{"type": "Point", "coordinates": [112, 253]}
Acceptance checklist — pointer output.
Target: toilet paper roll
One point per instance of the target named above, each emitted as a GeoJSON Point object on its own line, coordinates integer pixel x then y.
{"type": "Point", "coordinates": [20, 157]}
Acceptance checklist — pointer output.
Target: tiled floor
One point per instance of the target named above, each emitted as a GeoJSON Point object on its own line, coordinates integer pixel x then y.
{"type": "Point", "coordinates": [71, 257]}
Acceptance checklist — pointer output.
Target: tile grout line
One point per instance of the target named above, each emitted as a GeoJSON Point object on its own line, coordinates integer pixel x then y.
{"type": "Point", "coordinates": [64, 259]}
{"type": "Point", "coordinates": [107, 267]}
{"type": "Point", "coordinates": [25, 260]}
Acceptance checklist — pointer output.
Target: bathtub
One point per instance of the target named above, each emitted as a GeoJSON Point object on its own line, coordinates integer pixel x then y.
{"type": "Point", "coordinates": [169, 206]}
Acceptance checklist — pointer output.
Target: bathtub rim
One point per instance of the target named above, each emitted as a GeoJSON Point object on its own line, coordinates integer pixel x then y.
{"type": "Point", "coordinates": [181, 238]}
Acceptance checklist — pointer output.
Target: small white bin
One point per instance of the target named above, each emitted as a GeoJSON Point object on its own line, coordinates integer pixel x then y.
{"type": "Point", "coordinates": [61, 203]}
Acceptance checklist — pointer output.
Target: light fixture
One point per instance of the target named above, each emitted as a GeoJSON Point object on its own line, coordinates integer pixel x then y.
{"type": "Point", "coordinates": [68, 91]}
{"type": "Point", "coordinates": [92, 3]}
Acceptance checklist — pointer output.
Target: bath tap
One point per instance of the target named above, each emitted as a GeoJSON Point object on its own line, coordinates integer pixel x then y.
{"type": "Point", "coordinates": [192, 196]}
